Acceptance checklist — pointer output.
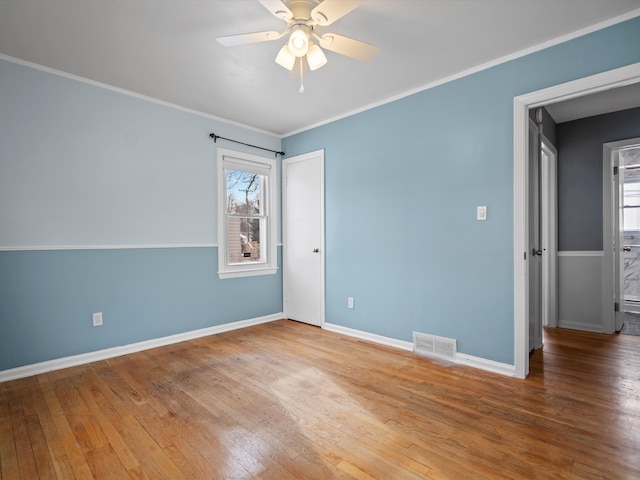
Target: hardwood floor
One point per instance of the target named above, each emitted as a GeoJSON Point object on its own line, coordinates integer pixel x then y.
{"type": "Point", "coordinates": [285, 400]}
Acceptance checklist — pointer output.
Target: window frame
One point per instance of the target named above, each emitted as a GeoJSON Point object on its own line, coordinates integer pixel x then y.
{"type": "Point", "coordinates": [234, 160]}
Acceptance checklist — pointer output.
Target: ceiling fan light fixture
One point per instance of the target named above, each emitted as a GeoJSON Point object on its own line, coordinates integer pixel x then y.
{"type": "Point", "coordinates": [299, 42]}
{"type": "Point", "coordinates": [315, 57]}
{"type": "Point", "coordinates": [285, 58]}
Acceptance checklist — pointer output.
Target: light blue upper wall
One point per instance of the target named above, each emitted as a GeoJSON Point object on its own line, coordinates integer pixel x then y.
{"type": "Point", "coordinates": [84, 166]}
{"type": "Point", "coordinates": [402, 184]}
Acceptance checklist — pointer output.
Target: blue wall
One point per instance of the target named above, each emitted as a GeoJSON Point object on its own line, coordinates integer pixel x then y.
{"type": "Point", "coordinates": [402, 184]}
{"type": "Point", "coordinates": [86, 173]}
{"type": "Point", "coordinates": [47, 299]}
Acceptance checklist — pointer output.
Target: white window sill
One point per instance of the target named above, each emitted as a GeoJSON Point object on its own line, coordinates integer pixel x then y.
{"type": "Point", "coordinates": [248, 273]}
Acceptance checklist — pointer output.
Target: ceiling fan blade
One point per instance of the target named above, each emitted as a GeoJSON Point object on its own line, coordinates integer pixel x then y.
{"type": "Point", "coordinates": [245, 38]}
{"type": "Point", "coordinates": [348, 46]}
{"type": "Point", "coordinates": [331, 10]}
{"type": "Point", "coordinates": [277, 8]}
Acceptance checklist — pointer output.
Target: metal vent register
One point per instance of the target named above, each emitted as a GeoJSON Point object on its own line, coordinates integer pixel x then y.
{"type": "Point", "coordinates": [432, 345]}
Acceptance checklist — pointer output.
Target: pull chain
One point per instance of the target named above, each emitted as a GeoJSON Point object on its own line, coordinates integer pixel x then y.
{"type": "Point", "coordinates": [301, 77]}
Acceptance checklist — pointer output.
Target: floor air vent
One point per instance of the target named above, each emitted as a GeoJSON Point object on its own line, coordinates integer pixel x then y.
{"type": "Point", "coordinates": [432, 345]}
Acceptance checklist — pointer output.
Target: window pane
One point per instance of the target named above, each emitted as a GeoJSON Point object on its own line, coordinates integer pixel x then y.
{"type": "Point", "coordinates": [244, 192]}
{"type": "Point", "coordinates": [631, 193]}
{"type": "Point", "coordinates": [243, 239]}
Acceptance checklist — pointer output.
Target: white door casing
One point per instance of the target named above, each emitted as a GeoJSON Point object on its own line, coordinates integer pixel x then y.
{"type": "Point", "coordinates": [619, 77]}
{"type": "Point", "coordinates": [303, 237]}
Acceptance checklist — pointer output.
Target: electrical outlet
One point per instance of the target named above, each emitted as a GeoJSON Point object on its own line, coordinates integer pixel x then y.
{"type": "Point", "coordinates": [350, 302]}
{"type": "Point", "coordinates": [97, 319]}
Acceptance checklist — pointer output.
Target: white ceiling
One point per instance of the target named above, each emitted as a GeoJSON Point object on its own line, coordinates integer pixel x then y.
{"type": "Point", "coordinates": [167, 49]}
{"type": "Point", "coordinates": [599, 103]}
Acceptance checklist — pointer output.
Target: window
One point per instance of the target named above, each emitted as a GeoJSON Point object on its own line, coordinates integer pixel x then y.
{"type": "Point", "coordinates": [247, 225]}
{"type": "Point", "coordinates": [630, 162]}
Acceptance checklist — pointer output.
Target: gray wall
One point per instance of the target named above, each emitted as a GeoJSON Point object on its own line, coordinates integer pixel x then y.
{"type": "Point", "coordinates": [579, 145]}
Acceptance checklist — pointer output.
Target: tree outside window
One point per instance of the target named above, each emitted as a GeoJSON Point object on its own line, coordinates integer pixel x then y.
{"type": "Point", "coordinates": [247, 220]}
{"type": "Point", "coordinates": [245, 216]}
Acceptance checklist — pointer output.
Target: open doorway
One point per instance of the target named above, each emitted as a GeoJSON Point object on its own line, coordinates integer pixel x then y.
{"type": "Point", "coordinates": [621, 206]}
{"type": "Point", "coordinates": [629, 222]}
{"type": "Point", "coordinates": [597, 83]}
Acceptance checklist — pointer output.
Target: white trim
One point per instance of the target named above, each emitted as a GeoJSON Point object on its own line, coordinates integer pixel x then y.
{"type": "Point", "coordinates": [631, 306]}
{"type": "Point", "coordinates": [486, 364]}
{"type": "Point", "coordinates": [106, 247]}
{"type": "Point", "coordinates": [269, 168]}
{"type": "Point", "coordinates": [248, 273]}
{"type": "Point", "coordinates": [461, 358]}
{"type": "Point", "coordinates": [585, 327]}
{"type": "Point", "coordinates": [627, 75]}
{"type": "Point", "coordinates": [129, 93]}
{"type": "Point", "coordinates": [521, 238]}
{"type": "Point", "coordinates": [609, 230]}
{"type": "Point", "coordinates": [485, 66]}
{"type": "Point", "coordinates": [578, 253]}
{"type": "Point", "coordinates": [84, 358]}
{"type": "Point", "coordinates": [371, 337]}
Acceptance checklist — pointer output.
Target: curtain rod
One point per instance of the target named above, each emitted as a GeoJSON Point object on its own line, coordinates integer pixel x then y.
{"type": "Point", "coordinates": [216, 137]}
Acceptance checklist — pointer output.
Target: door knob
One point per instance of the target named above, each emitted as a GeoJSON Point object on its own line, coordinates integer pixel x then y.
{"type": "Point", "coordinates": [535, 252]}
{"type": "Point", "coordinates": [626, 249]}
{"type": "Point", "coordinates": [315, 250]}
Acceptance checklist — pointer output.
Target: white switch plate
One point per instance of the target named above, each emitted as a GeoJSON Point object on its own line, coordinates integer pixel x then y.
{"type": "Point", "coordinates": [350, 302]}
{"type": "Point", "coordinates": [97, 319]}
{"type": "Point", "coordinates": [482, 212]}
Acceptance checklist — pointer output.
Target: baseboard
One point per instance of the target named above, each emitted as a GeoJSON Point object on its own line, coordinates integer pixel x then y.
{"type": "Point", "coordinates": [72, 361]}
{"type": "Point", "coordinates": [587, 327]}
{"type": "Point", "coordinates": [631, 306]}
{"type": "Point", "coordinates": [486, 364]}
{"type": "Point", "coordinates": [372, 337]}
{"type": "Point", "coordinates": [461, 358]}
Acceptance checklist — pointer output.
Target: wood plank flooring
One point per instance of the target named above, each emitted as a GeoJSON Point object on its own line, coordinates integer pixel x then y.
{"type": "Point", "coordinates": [286, 400]}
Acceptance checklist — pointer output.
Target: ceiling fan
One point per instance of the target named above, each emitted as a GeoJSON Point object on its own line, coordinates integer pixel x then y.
{"type": "Point", "coordinates": [303, 18]}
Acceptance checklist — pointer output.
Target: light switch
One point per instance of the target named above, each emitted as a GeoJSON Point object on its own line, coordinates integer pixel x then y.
{"type": "Point", "coordinates": [482, 212]}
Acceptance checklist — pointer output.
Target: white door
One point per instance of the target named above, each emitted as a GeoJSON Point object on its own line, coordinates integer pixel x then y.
{"type": "Point", "coordinates": [303, 237]}
{"type": "Point", "coordinates": [549, 225]}
{"type": "Point", "coordinates": [535, 241]}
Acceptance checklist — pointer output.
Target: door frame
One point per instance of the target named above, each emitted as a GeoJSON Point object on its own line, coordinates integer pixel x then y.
{"type": "Point", "coordinates": [611, 229]}
{"type": "Point", "coordinates": [285, 164]}
{"type": "Point", "coordinates": [619, 77]}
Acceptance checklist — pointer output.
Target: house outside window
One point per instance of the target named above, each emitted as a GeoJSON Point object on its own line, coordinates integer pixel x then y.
{"type": "Point", "coordinates": [247, 223]}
